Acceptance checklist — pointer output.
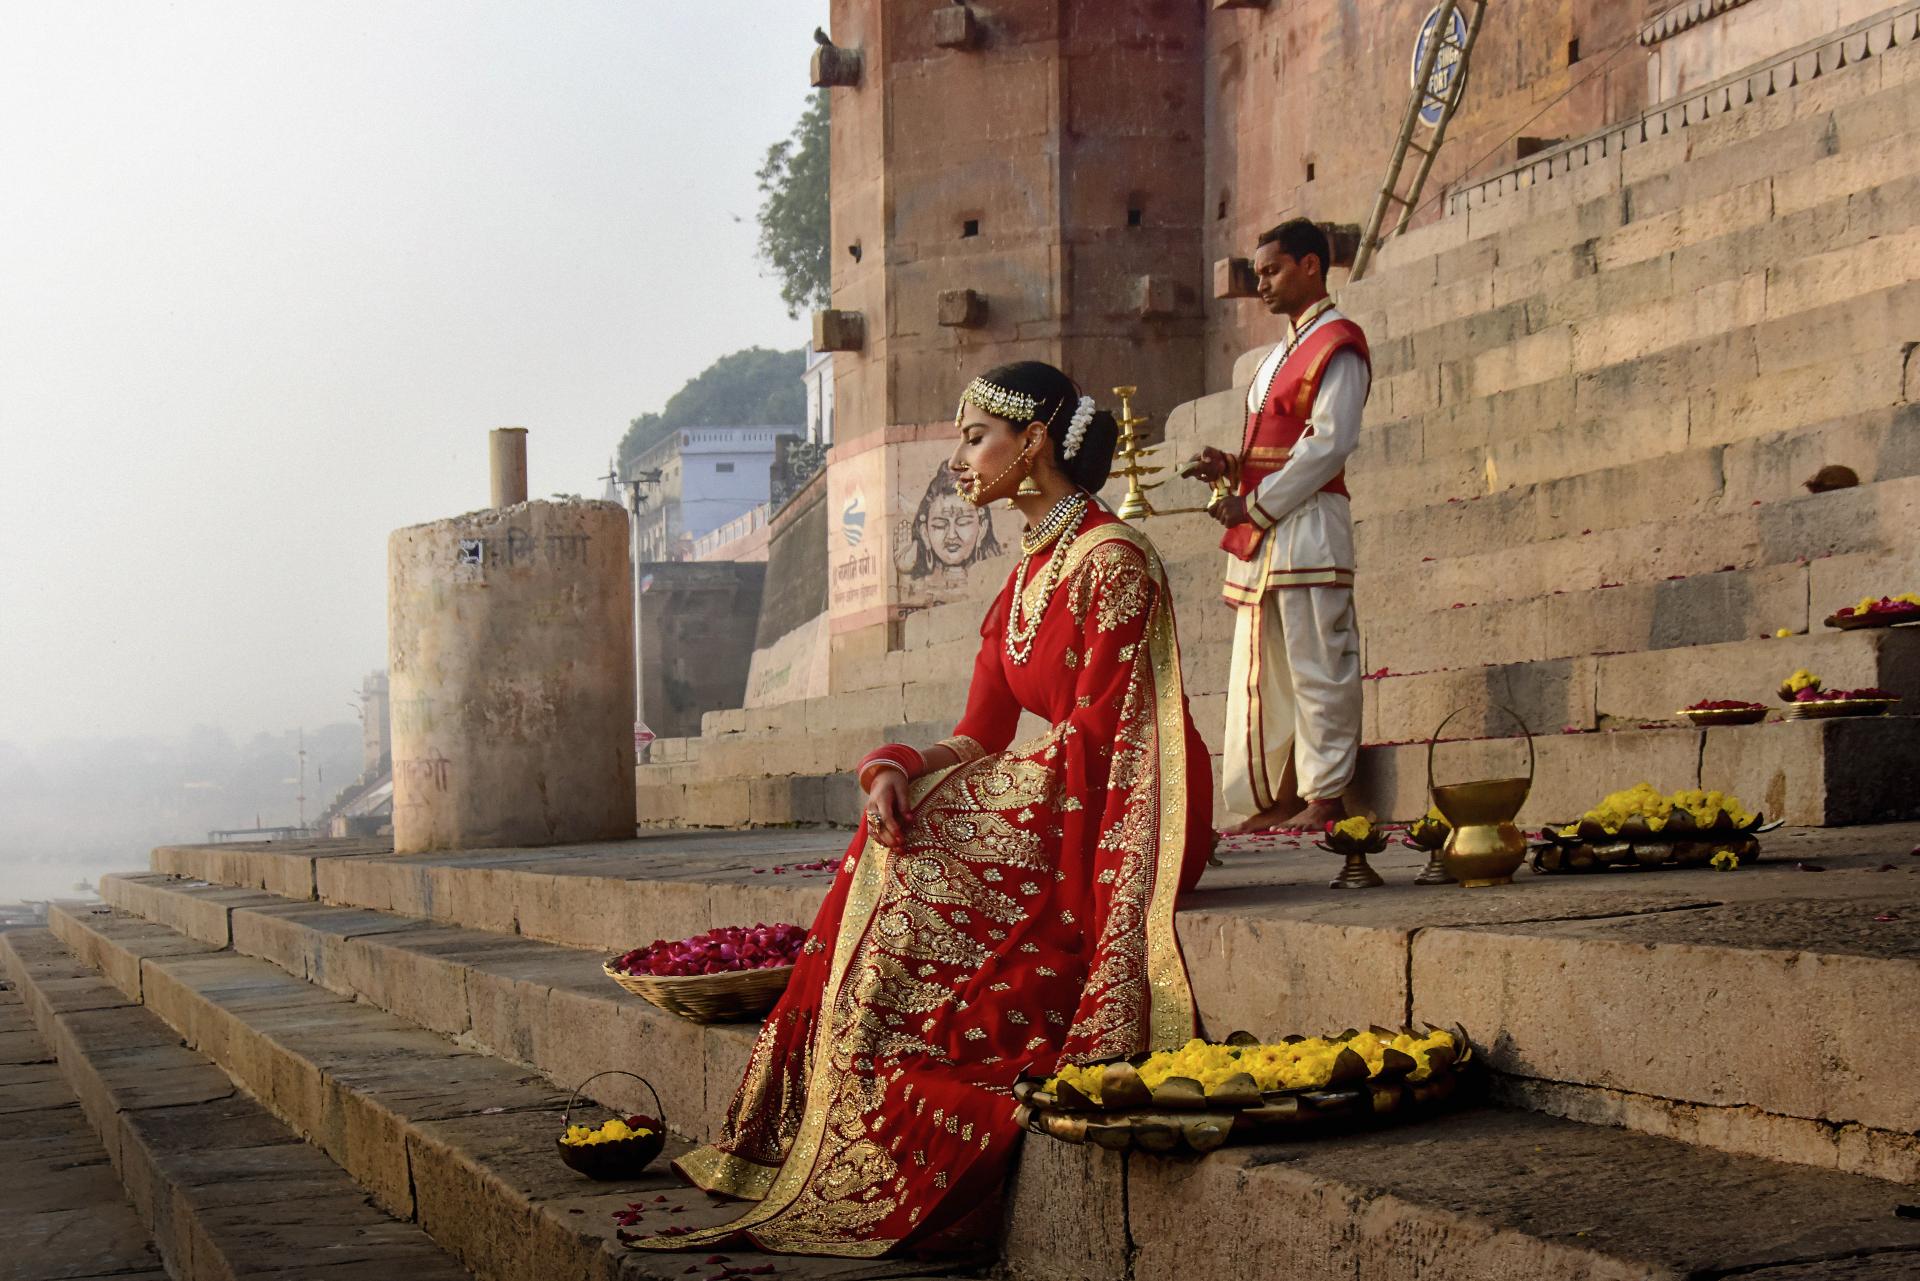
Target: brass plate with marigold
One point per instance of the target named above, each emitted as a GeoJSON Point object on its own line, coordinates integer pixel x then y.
{"type": "Point", "coordinates": [1207, 1094]}
{"type": "Point", "coordinates": [1640, 829]}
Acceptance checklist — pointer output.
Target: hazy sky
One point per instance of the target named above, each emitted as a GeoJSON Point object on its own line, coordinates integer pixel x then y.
{"type": "Point", "coordinates": [269, 272]}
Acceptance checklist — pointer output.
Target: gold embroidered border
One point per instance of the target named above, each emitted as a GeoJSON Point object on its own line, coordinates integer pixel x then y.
{"type": "Point", "coordinates": [1170, 1020]}
{"type": "Point", "coordinates": [791, 1180]}
{"type": "Point", "coordinates": [711, 1169]}
{"type": "Point", "coordinates": [966, 750]}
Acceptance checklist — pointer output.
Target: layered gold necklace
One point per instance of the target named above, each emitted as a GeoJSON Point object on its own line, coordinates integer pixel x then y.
{"type": "Point", "coordinates": [1059, 526]}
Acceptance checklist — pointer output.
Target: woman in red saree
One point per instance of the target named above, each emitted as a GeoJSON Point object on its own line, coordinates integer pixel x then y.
{"type": "Point", "coordinates": [1002, 908]}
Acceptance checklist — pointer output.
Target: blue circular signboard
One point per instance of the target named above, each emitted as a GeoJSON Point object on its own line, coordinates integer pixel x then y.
{"type": "Point", "coordinates": [1446, 65]}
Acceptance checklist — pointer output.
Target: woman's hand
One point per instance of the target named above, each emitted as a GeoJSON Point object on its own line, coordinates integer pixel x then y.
{"type": "Point", "coordinates": [887, 812]}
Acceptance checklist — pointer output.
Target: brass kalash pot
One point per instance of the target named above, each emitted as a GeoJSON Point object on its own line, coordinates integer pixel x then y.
{"type": "Point", "coordinates": [1485, 847]}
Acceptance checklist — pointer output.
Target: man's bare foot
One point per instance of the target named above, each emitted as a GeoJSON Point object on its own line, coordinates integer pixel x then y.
{"type": "Point", "coordinates": [1318, 814]}
{"type": "Point", "coordinates": [1266, 820]}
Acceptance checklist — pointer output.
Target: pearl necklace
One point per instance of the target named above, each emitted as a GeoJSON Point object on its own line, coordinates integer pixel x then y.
{"type": "Point", "coordinates": [1064, 521]}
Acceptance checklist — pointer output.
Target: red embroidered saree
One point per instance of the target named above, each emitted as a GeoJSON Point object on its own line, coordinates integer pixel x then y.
{"type": "Point", "coordinates": [1028, 920]}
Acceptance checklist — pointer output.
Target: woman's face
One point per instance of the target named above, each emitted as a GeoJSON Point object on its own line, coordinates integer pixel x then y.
{"type": "Point", "coordinates": [952, 529]}
{"type": "Point", "coordinates": [988, 447]}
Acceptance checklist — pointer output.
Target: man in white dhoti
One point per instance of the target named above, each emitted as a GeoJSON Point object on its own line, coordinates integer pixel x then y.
{"type": "Point", "coordinates": [1293, 693]}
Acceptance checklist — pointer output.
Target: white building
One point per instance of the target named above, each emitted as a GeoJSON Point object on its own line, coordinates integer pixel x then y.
{"type": "Point", "coordinates": [709, 476]}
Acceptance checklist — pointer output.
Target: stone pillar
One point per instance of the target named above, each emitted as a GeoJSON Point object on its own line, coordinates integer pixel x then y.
{"type": "Point", "coordinates": [507, 453]}
{"type": "Point", "coordinates": [510, 655]}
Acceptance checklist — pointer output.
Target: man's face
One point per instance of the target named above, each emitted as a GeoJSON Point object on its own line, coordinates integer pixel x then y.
{"type": "Point", "coordinates": [1285, 283]}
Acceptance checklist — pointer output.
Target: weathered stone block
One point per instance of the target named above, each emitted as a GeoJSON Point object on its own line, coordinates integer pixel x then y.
{"type": "Point", "coordinates": [1233, 278]}
{"type": "Point", "coordinates": [962, 308]}
{"type": "Point", "coordinates": [834, 67]}
{"type": "Point", "coordinates": [838, 330]}
{"type": "Point", "coordinates": [956, 27]}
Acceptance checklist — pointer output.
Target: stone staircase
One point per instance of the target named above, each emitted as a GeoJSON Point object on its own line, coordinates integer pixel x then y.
{"type": "Point", "coordinates": [1598, 389]}
{"type": "Point", "coordinates": [1738, 1104]}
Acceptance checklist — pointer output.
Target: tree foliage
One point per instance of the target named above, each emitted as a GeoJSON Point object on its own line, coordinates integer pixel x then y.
{"type": "Point", "coordinates": [752, 388]}
{"type": "Point", "coordinates": [795, 228]}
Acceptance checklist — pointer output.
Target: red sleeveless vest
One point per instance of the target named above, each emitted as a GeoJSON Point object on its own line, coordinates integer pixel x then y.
{"type": "Point", "coordinates": [1274, 429]}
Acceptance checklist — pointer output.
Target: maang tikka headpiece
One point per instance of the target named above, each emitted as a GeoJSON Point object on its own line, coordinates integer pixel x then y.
{"type": "Point", "coordinates": [1016, 407]}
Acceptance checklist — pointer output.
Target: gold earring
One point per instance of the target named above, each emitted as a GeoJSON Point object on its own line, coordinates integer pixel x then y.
{"type": "Point", "coordinates": [1027, 488]}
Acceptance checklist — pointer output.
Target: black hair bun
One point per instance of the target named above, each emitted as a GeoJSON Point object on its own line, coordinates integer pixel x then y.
{"type": "Point", "coordinates": [1092, 463]}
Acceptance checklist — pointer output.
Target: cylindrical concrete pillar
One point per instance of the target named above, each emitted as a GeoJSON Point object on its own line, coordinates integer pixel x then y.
{"type": "Point", "coordinates": [507, 454]}
{"type": "Point", "coordinates": [510, 654]}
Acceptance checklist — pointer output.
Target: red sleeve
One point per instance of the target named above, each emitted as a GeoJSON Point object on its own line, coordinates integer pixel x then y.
{"type": "Point", "coordinates": [993, 714]}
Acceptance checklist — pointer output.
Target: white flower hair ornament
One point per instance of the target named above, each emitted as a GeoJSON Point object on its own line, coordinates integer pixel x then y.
{"type": "Point", "coordinates": [1077, 428]}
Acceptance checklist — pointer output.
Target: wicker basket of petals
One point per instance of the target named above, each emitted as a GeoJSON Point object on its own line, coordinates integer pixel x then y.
{"type": "Point", "coordinates": [728, 975]}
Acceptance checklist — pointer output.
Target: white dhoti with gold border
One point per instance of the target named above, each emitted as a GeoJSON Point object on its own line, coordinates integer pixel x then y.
{"type": "Point", "coordinates": [1293, 691]}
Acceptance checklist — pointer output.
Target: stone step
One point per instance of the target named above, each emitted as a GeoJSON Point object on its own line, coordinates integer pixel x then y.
{"type": "Point", "coordinates": [1851, 183]}
{"type": "Point", "coordinates": [1695, 609]}
{"type": "Point", "coordinates": [1581, 315]}
{"type": "Point", "coordinates": [66, 1213]}
{"type": "Point", "coordinates": [1858, 521]}
{"type": "Point", "coordinates": [1319, 1176]}
{"type": "Point", "coordinates": [1822, 773]}
{"type": "Point", "coordinates": [224, 1190]}
{"type": "Point", "coordinates": [458, 1141]}
{"type": "Point", "coordinates": [536, 1005]}
{"type": "Point", "coordinates": [1625, 690]}
{"type": "Point", "coordinates": [1271, 949]}
{"type": "Point", "coordinates": [1486, 1194]}
{"type": "Point", "coordinates": [1678, 158]}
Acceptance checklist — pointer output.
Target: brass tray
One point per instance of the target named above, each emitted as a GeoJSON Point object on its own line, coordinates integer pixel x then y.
{"type": "Point", "coordinates": [1825, 708]}
{"type": "Point", "coordinates": [1703, 717]}
{"type": "Point", "coordinates": [1682, 843]}
{"type": "Point", "coordinates": [1180, 1115]}
{"type": "Point", "coordinates": [1879, 618]}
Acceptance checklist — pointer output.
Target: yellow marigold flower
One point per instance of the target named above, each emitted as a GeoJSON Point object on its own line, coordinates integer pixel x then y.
{"type": "Point", "coordinates": [1357, 827]}
{"type": "Point", "coordinates": [1726, 860]}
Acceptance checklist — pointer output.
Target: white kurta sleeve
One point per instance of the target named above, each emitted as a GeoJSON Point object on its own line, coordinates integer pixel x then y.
{"type": "Point", "coordinates": [1333, 433]}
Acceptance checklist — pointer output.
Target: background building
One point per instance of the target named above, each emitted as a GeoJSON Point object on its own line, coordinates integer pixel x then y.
{"type": "Point", "coordinates": [708, 477]}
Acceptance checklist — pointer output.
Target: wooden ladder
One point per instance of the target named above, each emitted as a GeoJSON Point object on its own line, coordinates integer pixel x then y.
{"type": "Point", "coordinates": [1424, 99]}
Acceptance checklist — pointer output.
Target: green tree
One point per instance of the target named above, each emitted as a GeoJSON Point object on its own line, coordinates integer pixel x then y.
{"type": "Point", "coordinates": [752, 388]}
{"type": "Point", "coordinates": [795, 228]}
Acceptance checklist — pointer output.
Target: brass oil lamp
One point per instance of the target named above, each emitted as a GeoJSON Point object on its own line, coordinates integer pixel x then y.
{"type": "Point", "coordinates": [1485, 847]}
{"type": "Point", "coordinates": [1129, 457]}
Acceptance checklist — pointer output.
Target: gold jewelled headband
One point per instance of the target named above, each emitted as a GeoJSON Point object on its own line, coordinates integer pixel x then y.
{"type": "Point", "coordinates": [1014, 406]}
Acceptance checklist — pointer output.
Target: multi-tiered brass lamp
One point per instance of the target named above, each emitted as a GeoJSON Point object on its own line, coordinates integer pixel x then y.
{"type": "Point", "coordinates": [1129, 456]}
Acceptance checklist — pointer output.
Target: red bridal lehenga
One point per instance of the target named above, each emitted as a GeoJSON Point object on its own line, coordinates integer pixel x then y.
{"type": "Point", "coordinates": [1027, 921]}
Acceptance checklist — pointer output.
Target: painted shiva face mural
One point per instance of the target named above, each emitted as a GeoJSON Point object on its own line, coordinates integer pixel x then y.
{"type": "Point", "coordinates": [948, 534]}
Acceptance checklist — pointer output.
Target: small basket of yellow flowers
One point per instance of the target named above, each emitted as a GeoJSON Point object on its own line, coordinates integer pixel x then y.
{"type": "Point", "coordinates": [620, 1148]}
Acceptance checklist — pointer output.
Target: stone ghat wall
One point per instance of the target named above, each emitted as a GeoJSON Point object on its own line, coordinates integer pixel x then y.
{"type": "Point", "coordinates": [1597, 392]}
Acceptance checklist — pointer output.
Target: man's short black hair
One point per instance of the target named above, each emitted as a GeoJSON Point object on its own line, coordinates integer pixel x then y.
{"type": "Point", "coordinates": [1298, 237]}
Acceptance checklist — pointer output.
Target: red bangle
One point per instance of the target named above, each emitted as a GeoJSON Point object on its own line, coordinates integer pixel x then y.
{"type": "Point", "coordinates": [893, 755]}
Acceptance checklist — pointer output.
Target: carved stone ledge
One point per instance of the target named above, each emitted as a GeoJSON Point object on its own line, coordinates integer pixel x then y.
{"type": "Point", "coordinates": [1233, 278]}
{"type": "Point", "coordinates": [956, 27]}
{"type": "Point", "coordinates": [962, 308]}
{"type": "Point", "coordinates": [834, 67]}
{"type": "Point", "coordinates": [838, 330]}
{"type": "Point", "coordinates": [1684, 17]}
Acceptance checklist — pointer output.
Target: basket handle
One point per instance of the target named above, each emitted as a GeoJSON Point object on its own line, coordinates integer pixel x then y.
{"type": "Point", "coordinates": [1434, 742]}
{"type": "Point", "coordinates": [659, 1111]}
